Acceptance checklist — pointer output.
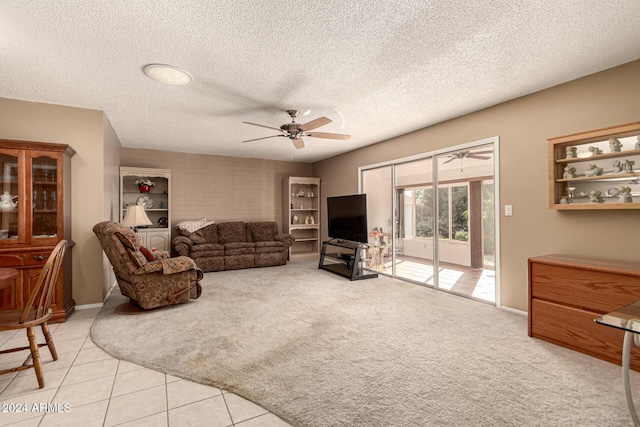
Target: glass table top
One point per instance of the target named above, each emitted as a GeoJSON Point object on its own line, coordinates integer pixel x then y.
{"type": "Point", "coordinates": [626, 318]}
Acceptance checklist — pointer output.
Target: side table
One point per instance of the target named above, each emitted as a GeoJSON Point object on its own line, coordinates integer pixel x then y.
{"type": "Point", "coordinates": [626, 318]}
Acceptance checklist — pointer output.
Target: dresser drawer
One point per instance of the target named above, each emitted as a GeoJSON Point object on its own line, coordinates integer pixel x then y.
{"type": "Point", "coordinates": [576, 329]}
{"type": "Point", "coordinates": [11, 260]}
{"type": "Point", "coordinates": [596, 291]}
{"type": "Point", "coordinates": [36, 258]}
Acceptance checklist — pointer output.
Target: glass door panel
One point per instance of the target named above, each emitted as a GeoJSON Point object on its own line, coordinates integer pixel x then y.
{"type": "Point", "coordinates": [10, 202]}
{"type": "Point", "coordinates": [415, 221]}
{"type": "Point", "coordinates": [44, 172]}
{"type": "Point", "coordinates": [464, 200]}
{"type": "Point", "coordinates": [377, 185]}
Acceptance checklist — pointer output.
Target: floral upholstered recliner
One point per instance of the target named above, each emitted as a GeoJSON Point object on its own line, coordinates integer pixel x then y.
{"type": "Point", "coordinates": [148, 283]}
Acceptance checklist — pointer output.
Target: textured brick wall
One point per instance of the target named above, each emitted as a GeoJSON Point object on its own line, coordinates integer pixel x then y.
{"type": "Point", "coordinates": [220, 188]}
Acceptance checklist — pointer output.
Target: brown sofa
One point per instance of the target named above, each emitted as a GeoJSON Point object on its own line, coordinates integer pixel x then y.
{"type": "Point", "coordinates": [149, 284]}
{"type": "Point", "coordinates": [234, 245]}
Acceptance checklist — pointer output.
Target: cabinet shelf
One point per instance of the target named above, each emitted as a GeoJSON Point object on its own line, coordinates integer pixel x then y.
{"type": "Point", "coordinates": [603, 177]}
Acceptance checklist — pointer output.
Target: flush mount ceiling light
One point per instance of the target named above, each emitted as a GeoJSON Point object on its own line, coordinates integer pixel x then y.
{"type": "Point", "coordinates": [168, 74]}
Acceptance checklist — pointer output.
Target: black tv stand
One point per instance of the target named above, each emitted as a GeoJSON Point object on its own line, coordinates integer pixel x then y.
{"type": "Point", "coordinates": [344, 261]}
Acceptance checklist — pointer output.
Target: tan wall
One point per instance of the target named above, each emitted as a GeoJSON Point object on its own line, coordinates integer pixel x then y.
{"type": "Point", "coordinates": [83, 130]}
{"type": "Point", "coordinates": [111, 203]}
{"type": "Point", "coordinates": [605, 99]}
{"type": "Point", "coordinates": [220, 188]}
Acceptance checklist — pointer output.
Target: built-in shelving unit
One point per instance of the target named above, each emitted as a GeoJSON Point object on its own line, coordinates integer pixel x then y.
{"type": "Point", "coordinates": [598, 169]}
{"type": "Point", "coordinates": [301, 213]}
{"type": "Point", "coordinates": [157, 203]}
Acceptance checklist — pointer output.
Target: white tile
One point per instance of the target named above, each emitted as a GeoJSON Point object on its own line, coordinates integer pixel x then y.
{"type": "Point", "coordinates": [125, 366]}
{"type": "Point", "coordinates": [91, 355]}
{"type": "Point", "coordinates": [86, 392]}
{"type": "Point", "coordinates": [90, 313]}
{"type": "Point", "coordinates": [85, 416]}
{"type": "Point", "coordinates": [241, 409]}
{"type": "Point", "coordinates": [64, 346]}
{"type": "Point", "coordinates": [31, 422]}
{"type": "Point", "coordinates": [25, 384]}
{"type": "Point", "coordinates": [171, 378]}
{"type": "Point", "coordinates": [91, 371]}
{"type": "Point", "coordinates": [48, 364]}
{"type": "Point", "coordinates": [183, 392]}
{"type": "Point", "coordinates": [133, 406]}
{"type": "Point", "coordinates": [211, 412]}
{"type": "Point", "coordinates": [266, 420]}
{"type": "Point", "coordinates": [157, 420]}
{"type": "Point", "coordinates": [89, 344]}
{"type": "Point", "coordinates": [137, 380]}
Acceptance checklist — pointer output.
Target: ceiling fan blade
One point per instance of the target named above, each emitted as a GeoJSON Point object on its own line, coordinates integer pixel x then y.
{"type": "Point", "coordinates": [482, 152]}
{"type": "Point", "coordinates": [450, 160]}
{"type": "Point", "coordinates": [329, 135]}
{"type": "Point", "coordinates": [298, 143]}
{"type": "Point", "coordinates": [264, 126]}
{"type": "Point", "coordinates": [258, 139]}
{"type": "Point", "coordinates": [472, 156]}
{"type": "Point", "coordinates": [313, 124]}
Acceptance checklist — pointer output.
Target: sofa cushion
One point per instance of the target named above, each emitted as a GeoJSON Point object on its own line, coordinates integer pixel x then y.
{"type": "Point", "coordinates": [207, 249]}
{"type": "Point", "coordinates": [239, 248]}
{"type": "Point", "coordinates": [263, 231]}
{"type": "Point", "coordinates": [210, 233]}
{"type": "Point", "coordinates": [232, 232]}
{"type": "Point", "coordinates": [267, 247]}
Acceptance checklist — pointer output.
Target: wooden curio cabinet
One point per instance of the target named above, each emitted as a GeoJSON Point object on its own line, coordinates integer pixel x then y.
{"type": "Point", "coordinates": [35, 214]}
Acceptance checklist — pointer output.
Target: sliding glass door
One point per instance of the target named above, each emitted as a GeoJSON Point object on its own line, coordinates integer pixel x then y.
{"type": "Point", "coordinates": [378, 186]}
{"type": "Point", "coordinates": [432, 220]}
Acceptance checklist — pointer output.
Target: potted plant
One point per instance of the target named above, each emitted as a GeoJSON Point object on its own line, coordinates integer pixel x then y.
{"type": "Point", "coordinates": [144, 185]}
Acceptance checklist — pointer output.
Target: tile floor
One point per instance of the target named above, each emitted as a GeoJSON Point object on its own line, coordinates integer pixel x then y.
{"type": "Point", "coordinates": [476, 283]}
{"type": "Point", "coordinates": [87, 387]}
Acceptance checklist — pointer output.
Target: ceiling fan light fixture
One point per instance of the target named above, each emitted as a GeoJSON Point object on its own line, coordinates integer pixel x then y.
{"type": "Point", "coordinates": [168, 74]}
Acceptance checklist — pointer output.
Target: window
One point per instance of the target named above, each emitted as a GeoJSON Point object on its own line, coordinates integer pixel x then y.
{"type": "Point", "coordinates": [453, 212]}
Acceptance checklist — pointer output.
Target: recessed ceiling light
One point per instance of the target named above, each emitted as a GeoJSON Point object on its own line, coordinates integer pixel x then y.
{"type": "Point", "coordinates": [168, 74]}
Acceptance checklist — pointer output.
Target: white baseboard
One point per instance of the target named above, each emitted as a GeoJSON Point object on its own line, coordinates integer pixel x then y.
{"type": "Point", "coordinates": [88, 306]}
{"type": "Point", "coordinates": [513, 310]}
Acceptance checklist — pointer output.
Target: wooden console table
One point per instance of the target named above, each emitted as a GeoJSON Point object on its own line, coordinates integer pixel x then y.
{"type": "Point", "coordinates": [567, 293]}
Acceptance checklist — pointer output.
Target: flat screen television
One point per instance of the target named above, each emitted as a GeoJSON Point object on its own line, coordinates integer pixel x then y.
{"type": "Point", "coordinates": [347, 218]}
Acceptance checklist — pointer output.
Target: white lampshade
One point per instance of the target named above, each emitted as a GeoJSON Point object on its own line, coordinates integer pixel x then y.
{"type": "Point", "coordinates": [135, 217]}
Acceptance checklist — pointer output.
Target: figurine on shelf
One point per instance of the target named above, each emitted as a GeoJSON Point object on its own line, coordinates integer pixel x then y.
{"type": "Point", "coordinates": [572, 152]}
{"type": "Point", "coordinates": [625, 195]}
{"type": "Point", "coordinates": [569, 172]}
{"type": "Point", "coordinates": [564, 200]}
{"type": "Point", "coordinates": [628, 165]}
{"type": "Point", "coordinates": [596, 197]}
{"type": "Point", "coordinates": [312, 221]}
{"type": "Point", "coordinates": [618, 167]}
{"type": "Point", "coordinates": [637, 142]}
{"type": "Point", "coordinates": [592, 170]}
{"type": "Point", "coordinates": [595, 150]}
{"type": "Point", "coordinates": [614, 145]}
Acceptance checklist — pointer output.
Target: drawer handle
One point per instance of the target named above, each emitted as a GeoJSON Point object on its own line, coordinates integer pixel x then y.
{"type": "Point", "coordinates": [39, 257]}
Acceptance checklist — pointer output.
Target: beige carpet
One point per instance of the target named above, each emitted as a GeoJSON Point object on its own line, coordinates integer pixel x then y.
{"type": "Point", "coordinates": [318, 350]}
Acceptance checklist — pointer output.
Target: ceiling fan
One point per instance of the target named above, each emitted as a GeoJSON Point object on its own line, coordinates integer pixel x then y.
{"type": "Point", "coordinates": [295, 131]}
{"type": "Point", "coordinates": [469, 155]}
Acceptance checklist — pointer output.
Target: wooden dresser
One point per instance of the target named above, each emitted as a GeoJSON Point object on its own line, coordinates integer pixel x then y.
{"type": "Point", "coordinates": [567, 293]}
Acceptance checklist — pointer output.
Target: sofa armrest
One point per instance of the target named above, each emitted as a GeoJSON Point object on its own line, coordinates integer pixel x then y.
{"type": "Point", "coordinates": [285, 238]}
{"type": "Point", "coordinates": [168, 266]}
{"type": "Point", "coordinates": [182, 245]}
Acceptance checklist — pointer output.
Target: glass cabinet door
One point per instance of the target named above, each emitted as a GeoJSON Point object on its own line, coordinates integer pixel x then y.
{"type": "Point", "coordinates": [11, 162]}
{"type": "Point", "coordinates": [44, 197]}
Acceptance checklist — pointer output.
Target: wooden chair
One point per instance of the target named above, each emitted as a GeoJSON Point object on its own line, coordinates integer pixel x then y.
{"type": "Point", "coordinates": [36, 312]}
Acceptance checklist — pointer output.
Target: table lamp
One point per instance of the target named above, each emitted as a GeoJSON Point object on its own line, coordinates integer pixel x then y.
{"type": "Point", "coordinates": [135, 217]}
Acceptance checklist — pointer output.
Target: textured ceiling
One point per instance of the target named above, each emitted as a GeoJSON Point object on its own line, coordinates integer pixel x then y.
{"type": "Point", "coordinates": [377, 68]}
